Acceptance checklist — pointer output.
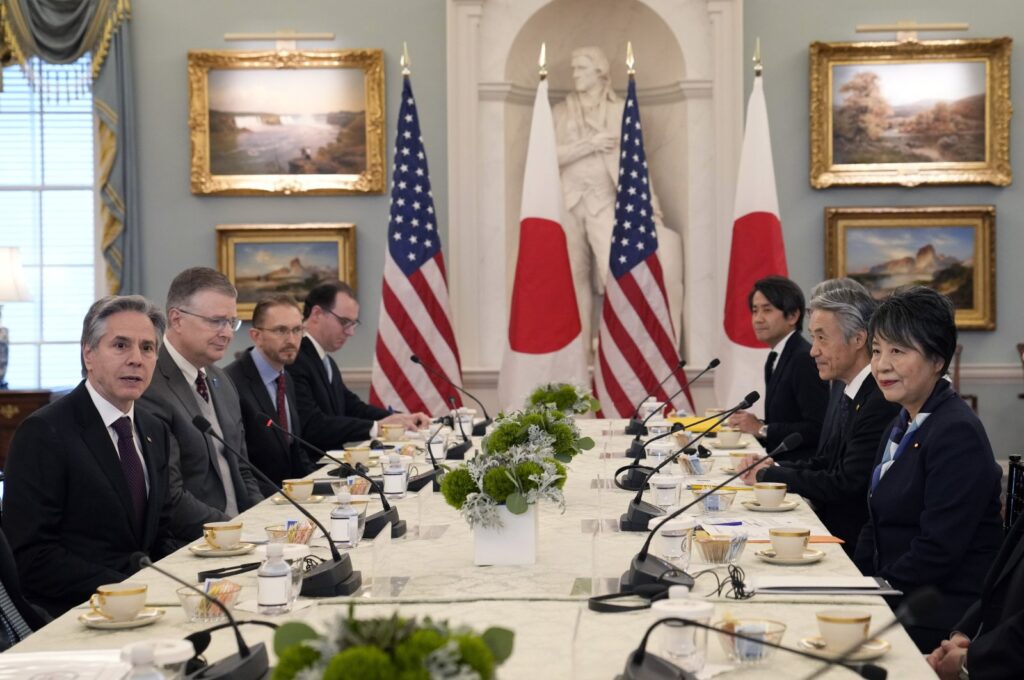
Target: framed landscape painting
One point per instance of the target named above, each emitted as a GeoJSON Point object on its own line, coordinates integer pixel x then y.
{"type": "Point", "coordinates": [910, 113]}
{"type": "Point", "coordinates": [949, 248]}
{"type": "Point", "coordinates": [262, 259]}
{"type": "Point", "coordinates": [287, 122]}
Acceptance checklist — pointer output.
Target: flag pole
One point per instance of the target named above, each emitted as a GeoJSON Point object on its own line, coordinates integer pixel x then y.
{"type": "Point", "coordinates": [630, 61]}
{"type": "Point", "coordinates": [542, 62]}
{"type": "Point", "coordinates": [404, 60]}
{"type": "Point", "coordinates": [758, 67]}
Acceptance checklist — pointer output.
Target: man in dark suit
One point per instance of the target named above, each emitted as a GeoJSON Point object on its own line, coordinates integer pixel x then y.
{"type": "Point", "coordinates": [87, 476]}
{"type": "Point", "coordinates": [208, 483]}
{"type": "Point", "coordinates": [988, 643]}
{"type": "Point", "coordinates": [331, 413]}
{"type": "Point", "coordinates": [795, 397]}
{"type": "Point", "coordinates": [265, 390]}
{"type": "Point", "coordinates": [836, 478]}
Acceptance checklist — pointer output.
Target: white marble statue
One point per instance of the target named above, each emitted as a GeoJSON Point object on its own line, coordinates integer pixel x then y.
{"type": "Point", "coordinates": [587, 126]}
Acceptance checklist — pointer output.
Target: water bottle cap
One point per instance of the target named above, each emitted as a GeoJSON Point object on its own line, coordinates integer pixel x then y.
{"type": "Point", "coordinates": [344, 497]}
{"type": "Point", "coordinates": [275, 549]}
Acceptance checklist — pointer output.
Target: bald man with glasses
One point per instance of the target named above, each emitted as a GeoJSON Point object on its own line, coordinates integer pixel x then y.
{"type": "Point", "coordinates": [210, 483]}
{"type": "Point", "coordinates": [331, 413]}
{"type": "Point", "coordinates": [267, 392]}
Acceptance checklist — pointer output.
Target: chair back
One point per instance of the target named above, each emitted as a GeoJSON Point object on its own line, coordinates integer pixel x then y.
{"type": "Point", "coordinates": [1014, 492]}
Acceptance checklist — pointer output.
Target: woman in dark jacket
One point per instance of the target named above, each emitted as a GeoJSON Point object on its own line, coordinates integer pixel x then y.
{"type": "Point", "coordinates": [934, 496]}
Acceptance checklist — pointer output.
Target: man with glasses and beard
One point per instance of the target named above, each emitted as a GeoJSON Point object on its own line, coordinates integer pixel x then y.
{"type": "Point", "coordinates": [209, 483]}
{"type": "Point", "coordinates": [331, 413]}
{"type": "Point", "coordinates": [267, 392]}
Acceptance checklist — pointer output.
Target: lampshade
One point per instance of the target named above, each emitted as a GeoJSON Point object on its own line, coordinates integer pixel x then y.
{"type": "Point", "coordinates": [12, 278]}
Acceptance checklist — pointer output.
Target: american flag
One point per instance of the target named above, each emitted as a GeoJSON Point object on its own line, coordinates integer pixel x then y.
{"type": "Point", "coordinates": [414, 314]}
{"type": "Point", "coordinates": [636, 341]}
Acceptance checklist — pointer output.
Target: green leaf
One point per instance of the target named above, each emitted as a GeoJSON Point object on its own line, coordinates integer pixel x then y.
{"type": "Point", "coordinates": [563, 457]}
{"type": "Point", "coordinates": [290, 634]}
{"type": "Point", "coordinates": [585, 444]}
{"type": "Point", "coordinates": [595, 405]}
{"type": "Point", "coordinates": [500, 641]}
{"type": "Point", "coordinates": [516, 503]}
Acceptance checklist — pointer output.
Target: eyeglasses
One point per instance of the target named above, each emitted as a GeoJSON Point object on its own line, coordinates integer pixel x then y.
{"type": "Point", "coordinates": [345, 322]}
{"type": "Point", "coordinates": [216, 322]}
{"type": "Point", "coordinates": [282, 331]}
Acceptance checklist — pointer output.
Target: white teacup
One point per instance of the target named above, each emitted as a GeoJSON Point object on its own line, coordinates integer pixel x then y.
{"type": "Point", "coordinates": [223, 535]}
{"type": "Point", "coordinates": [729, 437]}
{"type": "Point", "coordinates": [769, 494]}
{"type": "Point", "coordinates": [843, 629]}
{"type": "Point", "coordinates": [298, 489]}
{"type": "Point", "coordinates": [392, 432]}
{"type": "Point", "coordinates": [358, 455]}
{"type": "Point", "coordinates": [789, 543]}
{"type": "Point", "coordinates": [119, 601]}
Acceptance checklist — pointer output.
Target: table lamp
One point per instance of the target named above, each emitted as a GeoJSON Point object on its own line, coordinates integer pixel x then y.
{"type": "Point", "coordinates": [12, 289]}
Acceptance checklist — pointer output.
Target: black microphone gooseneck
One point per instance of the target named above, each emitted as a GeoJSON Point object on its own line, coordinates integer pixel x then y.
{"type": "Point", "coordinates": [458, 452]}
{"type": "Point", "coordinates": [479, 428]}
{"type": "Point", "coordinates": [639, 514]}
{"type": "Point", "coordinates": [250, 663]}
{"type": "Point", "coordinates": [639, 427]}
{"type": "Point", "coordinates": [634, 426]}
{"type": "Point", "coordinates": [327, 579]}
{"type": "Point", "coordinates": [645, 569]}
{"type": "Point", "coordinates": [375, 522]}
{"type": "Point", "coordinates": [642, 665]}
{"type": "Point", "coordinates": [433, 461]}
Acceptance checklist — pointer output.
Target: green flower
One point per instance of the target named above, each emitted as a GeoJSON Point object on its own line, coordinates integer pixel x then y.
{"type": "Point", "coordinates": [559, 470]}
{"type": "Point", "coordinates": [293, 660]}
{"type": "Point", "coordinates": [498, 485]}
{"type": "Point", "coordinates": [477, 655]}
{"type": "Point", "coordinates": [523, 472]}
{"type": "Point", "coordinates": [410, 654]}
{"type": "Point", "coordinates": [456, 486]}
{"type": "Point", "coordinates": [360, 663]}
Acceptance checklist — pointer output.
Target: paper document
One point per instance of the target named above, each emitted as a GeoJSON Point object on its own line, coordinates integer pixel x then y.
{"type": "Point", "coordinates": [821, 585]}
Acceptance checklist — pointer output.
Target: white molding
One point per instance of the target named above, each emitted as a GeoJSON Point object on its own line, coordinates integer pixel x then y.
{"type": "Point", "coordinates": [662, 94]}
{"type": "Point", "coordinates": [992, 374]}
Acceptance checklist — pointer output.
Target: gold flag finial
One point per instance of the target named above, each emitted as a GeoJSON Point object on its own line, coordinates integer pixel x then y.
{"type": "Point", "coordinates": [405, 59]}
{"type": "Point", "coordinates": [758, 67]}
{"type": "Point", "coordinates": [630, 61]}
{"type": "Point", "coordinates": [542, 61]}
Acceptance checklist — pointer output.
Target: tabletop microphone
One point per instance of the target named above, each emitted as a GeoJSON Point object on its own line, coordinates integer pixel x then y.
{"type": "Point", "coordinates": [375, 522]}
{"type": "Point", "coordinates": [638, 428]}
{"type": "Point", "coordinates": [644, 665]}
{"type": "Point", "coordinates": [327, 579]}
{"type": "Point", "coordinates": [640, 513]}
{"type": "Point", "coordinates": [249, 663]}
{"type": "Point", "coordinates": [643, 424]}
{"type": "Point", "coordinates": [478, 428]}
{"type": "Point", "coordinates": [635, 426]}
{"type": "Point", "coordinates": [458, 452]}
{"type": "Point", "coordinates": [433, 461]}
{"type": "Point", "coordinates": [648, 569]}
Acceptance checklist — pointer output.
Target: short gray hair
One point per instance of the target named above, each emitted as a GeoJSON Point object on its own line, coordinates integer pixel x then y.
{"type": "Point", "coordinates": [849, 301]}
{"type": "Point", "coordinates": [95, 324]}
{"type": "Point", "coordinates": [194, 280]}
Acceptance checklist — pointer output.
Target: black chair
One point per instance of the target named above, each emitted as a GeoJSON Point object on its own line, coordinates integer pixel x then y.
{"type": "Point", "coordinates": [34, 616]}
{"type": "Point", "coordinates": [971, 399]}
{"type": "Point", "coordinates": [1014, 504]}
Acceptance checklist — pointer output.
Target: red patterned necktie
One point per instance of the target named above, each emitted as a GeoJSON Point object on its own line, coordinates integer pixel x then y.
{"type": "Point", "coordinates": [201, 387]}
{"type": "Point", "coordinates": [131, 465]}
{"type": "Point", "coordinates": [282, 404]}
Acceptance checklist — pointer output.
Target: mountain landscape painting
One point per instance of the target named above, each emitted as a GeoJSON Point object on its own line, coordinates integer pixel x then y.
{"type": "Point", "coordinates": [914, 112]}
{"type": "Point", "coordinates": [285, 267]}
{"type": "Point", "coordinates": [887, 258]}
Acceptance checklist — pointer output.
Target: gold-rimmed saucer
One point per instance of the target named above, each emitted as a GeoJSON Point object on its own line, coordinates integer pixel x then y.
{"type": "Point", "coordinates": [742, 444]}
{"type": "Point", "coordinates": [207, 550]}
{"type": "Point", "coordinates": [784, 506]}
{"type": "Point", "coordinates": [810, 556]}
{"type": "Point", "coordinates": [147, 616]}
{"type": "Point", "coordinates": [868, 651]}
{"type": "Point", "coordinates": [278, 499]}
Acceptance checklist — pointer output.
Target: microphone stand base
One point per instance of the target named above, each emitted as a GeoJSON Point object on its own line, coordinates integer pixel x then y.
{"type": "Point", "coordinates": [419, 481]}
{"type": "Point", "coordinates": [639, 516]}
{"type": "Point", "coordinates": [636, 450]}
{"type": "Point", "coordinates": [652, 570]}
{"type": "Point", "coordinates": [480, 429]}
{"type": "Point", "coordinates": [330, 579]}
{"type": "Point", "coordinates": [636, 427]}
{"type": "Point", "coordinates": [375, 523]}
{"type": "Point", "coordinates": [634, 479]}
{"type": "Point", "coordinates": [253, 667]}
{"type": "Point", "coordinates": [652, 667]}
{"type": "Point", "coordinates": [459, 452]}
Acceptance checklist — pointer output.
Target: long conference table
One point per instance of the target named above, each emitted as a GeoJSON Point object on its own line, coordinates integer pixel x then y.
{"type": "Point", "coordinates": [430, 571]}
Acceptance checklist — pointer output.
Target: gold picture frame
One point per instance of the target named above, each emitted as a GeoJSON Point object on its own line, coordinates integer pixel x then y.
{"type": "Point", "coordinates": [949, 248]}
{"type": "Point", "coordinates": [260, 259]}
{"type": "Point", "coordinates": [287, 121]}
{"type": "Point", "coordinates": [912, 113]}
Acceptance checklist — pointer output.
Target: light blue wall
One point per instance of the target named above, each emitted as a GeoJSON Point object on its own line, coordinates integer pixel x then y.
{"type": "Point", "coordinates": [786, 29]}
{"type": "Point", "coordinates": [178, 226]}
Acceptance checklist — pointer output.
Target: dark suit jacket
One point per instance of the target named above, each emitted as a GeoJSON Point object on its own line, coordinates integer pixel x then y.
{"type": "Point", "coordinates": [934, 517]}
{"type": "Point", "coordinates": [836, 480]}
{"type": "Point", "coordinates": [276, 454]}
{"type": "Point", "coordinates": [795, 398]}
{"type": "Point", "coordinates": [331, 413]}
{"type": "Point", "coordinates": [196, 487]}
{"type": "Point", "coordinates": [67, 509]}
{"type": "Point", "coordinates": [996, 621]}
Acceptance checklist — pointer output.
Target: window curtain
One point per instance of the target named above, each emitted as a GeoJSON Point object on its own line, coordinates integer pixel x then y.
{"type": "Point", "coordinates": [61, 32]}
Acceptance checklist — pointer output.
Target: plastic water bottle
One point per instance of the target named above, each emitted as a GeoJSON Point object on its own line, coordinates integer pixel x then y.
{"type": "Point", "coordinates": [394, 476]}
{"type": "Point", "coordinates": [274, 582]}
{"type": "Point", "coordinates": [345, 520]}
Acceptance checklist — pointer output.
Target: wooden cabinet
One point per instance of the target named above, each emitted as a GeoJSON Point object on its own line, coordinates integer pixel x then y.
{"type": "Point", "coordinates": [15, 406]}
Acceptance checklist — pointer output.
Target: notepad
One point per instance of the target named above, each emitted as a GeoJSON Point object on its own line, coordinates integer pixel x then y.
{"type": "Point", "coordinates": [821, 585]}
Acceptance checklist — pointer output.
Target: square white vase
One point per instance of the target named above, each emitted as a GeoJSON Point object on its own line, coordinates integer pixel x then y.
{"type": "Point", "coordinates": [514, 543]}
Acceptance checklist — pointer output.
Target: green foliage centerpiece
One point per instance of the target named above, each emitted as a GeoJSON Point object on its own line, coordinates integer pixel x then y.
{"type": "Point", "coordinates": [564, 397]}
{"type": "Point", "coordinates": [392, 648]}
